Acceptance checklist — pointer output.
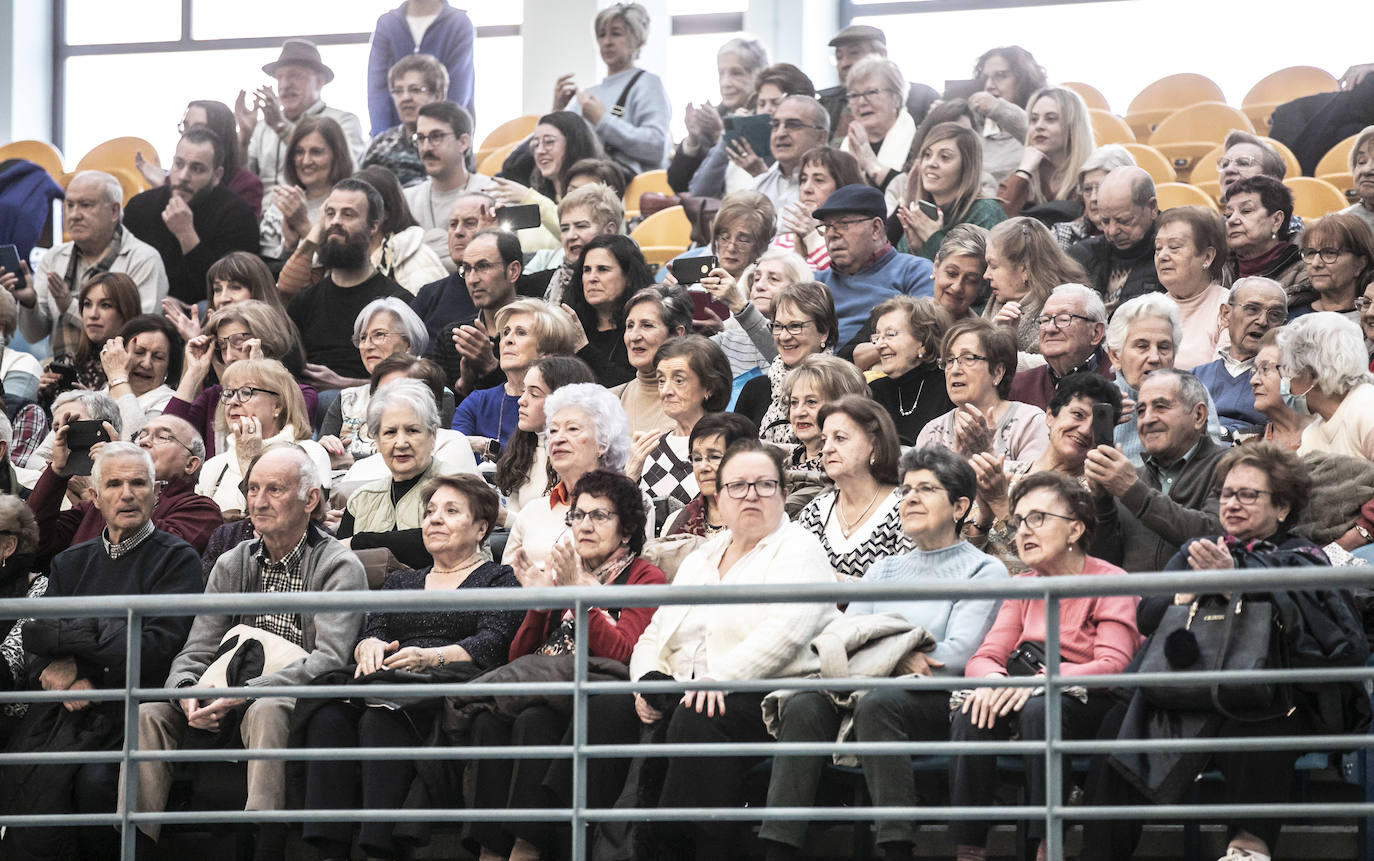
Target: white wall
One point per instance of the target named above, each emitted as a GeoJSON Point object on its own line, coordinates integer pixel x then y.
{"type": "Point", "coordinates": [25, 70]}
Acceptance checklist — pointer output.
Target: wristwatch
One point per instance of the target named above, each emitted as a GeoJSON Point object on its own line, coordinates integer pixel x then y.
{"type": "Point", "coordinates": [439, 655]}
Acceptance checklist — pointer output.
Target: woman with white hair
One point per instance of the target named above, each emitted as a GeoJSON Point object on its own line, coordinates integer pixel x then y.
{"type": "Point", "coordinates": [738, 64]}
{"type": "Point", "coordinates": [1322, 354]}
{"type": "Point", "coordinates": [629, 109]}
{"type": "Point", "coordinates": [1103, 161]}
{"type": "Point", "coordinates": [882, 130]}
{"type": "Point", "coordinates": [384, 327]}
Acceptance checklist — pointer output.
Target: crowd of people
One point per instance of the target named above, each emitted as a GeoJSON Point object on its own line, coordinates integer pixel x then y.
{"type": "Point", "coordinates": [930, 339]}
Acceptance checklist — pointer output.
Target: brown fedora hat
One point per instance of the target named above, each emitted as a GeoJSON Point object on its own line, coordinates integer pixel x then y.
{"type": "Point", "coordinates": [300, 52]}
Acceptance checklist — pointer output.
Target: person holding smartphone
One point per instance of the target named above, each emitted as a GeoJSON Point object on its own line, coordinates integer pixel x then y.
{"type": "Point", "coordinates": [944, 188]}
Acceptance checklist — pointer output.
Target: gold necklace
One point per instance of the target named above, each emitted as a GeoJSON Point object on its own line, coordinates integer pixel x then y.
{"type": "Point", "coordinates": [466, 565]}
{"type": "Point", "coordinates": [839, 509]}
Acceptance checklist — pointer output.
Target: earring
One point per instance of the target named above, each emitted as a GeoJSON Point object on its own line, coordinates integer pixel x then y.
{"type": "Point", "coordinates": [872, 460]}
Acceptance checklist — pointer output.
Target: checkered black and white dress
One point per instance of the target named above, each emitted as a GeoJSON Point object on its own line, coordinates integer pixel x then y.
{"type": "Point", "coordinates": [668, 471]}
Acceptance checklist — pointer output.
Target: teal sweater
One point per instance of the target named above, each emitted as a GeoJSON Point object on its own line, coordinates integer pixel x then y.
{"type": "Point", "coordinates": [985, 212]}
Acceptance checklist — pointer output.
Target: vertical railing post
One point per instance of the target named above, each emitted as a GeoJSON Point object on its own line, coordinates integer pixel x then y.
{"type": "Point", "coordinates": [1054, 778]}
{"type": "Point", "coordinates": [133, 669]}
{"type": "Point", "coordinates": [579, 727]}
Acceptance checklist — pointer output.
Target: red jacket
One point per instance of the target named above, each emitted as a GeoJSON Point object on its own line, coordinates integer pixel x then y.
{"type": "Point", "coordinates": [608, 637]}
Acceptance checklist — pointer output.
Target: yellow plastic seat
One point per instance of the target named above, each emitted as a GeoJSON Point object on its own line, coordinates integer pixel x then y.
{"type": "Point", "coordinates": [1092, 97]}
{"type": "Point", "coordinates": [41, 153]}
{"type": "Point", "coordinates": [1171, 194]}
{"type": "Point", "coordinates": [1109, 128]}
{"type": "Point", "coordinates": [490, 165]}
{"type": "Point", "coordinates": [1188, 134]}
{"type": "Point", "coordinates": [1313, 198]}
{"type": "Point", "coordinates": [667, 228]}
{"type": "Point", "coordinates": [118, 153]}
{"type": "Point", "coordinates": [1152, 104]}
{"type": "Point", "coordinates": [1282, 86]}
{"type": "Point", "coordinates": [511, 131]}
{"type": "Point", "coordinates": [649, 181]}
{"type": "Point", "coordinates": [1152, 161]}
{"type": "Point", "coordinates": [1335, 167]}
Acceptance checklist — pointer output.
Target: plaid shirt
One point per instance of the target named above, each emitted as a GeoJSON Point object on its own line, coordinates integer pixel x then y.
{"type": "Point", "coordinates": [283, 575]}
{"type": "Point", "coordinates": [31, 425]}
{"type": "Point", "coordinates": [128, 545]}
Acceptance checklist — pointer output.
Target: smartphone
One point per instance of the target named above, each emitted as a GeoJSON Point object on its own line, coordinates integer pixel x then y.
{"type": "Point", "coordinates": [756, 129]}
{"type": "Point", "coordinates": [512, 218]}
{"type": "Point", "coordinates": [928, 209]}
{"type": "Point", "coordinates": [1104, 426]}
{"type": "Point", "coordinates": [9, 260]}
{"type": "Point", "coordinates": [690, 270]}
{"type": "Point", "coordinates": [81, 435]}
{"type": "Point", "coordinates": [65, 367]}
{"type": "Point", "coordinates": [961, 89]}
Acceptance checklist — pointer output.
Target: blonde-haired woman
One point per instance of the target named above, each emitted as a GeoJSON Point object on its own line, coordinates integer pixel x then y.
{"type": "Point", "coordinates": [1059, 139]}
{"type": "Point", "coordinates": [1024, 263]}
{"type": "Point", "coordinates": [882, 130]}
{"type": "Point", "coordinates": [259, 404]}
{"type": "Point", "coordinates": [948, 172]}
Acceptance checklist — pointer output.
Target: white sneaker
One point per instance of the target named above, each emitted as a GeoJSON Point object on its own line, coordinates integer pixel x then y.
{"type": "Point", "coordinates": [1235, 853]}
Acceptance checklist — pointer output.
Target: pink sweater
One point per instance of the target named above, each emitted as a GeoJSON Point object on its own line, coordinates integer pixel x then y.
{"type": "Point", "coordinates": [1096, 635]}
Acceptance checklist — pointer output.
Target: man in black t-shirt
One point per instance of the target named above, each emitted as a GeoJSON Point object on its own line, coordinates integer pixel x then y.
{"type": "Point", "coordinates": [325, 313]}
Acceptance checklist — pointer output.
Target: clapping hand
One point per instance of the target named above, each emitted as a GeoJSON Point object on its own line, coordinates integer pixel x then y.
{"type": "Point", "coordinates": [918, 226]}
{"type": "Point", "coordinates": [1204, 555]}
{"type": "Point", "coordinates": [564, 89]}
{"type": "Point", "coordinates": [972, 433]}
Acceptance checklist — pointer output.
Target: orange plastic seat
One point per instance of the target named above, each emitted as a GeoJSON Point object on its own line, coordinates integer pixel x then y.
{"type": "Point", "coordinates": [1109, 128]}
{"type": "Point", "coordinates": [667, 228]}
{"type": "Point", "coordinates": [1171, 194]}
{"type": "Point", "coordinates": [649, 181]}
{"type": "Point", "coordinates": [1152, 161]}
{"type": "Point", "coordinates": [1313, 198]}
{"type": "Point", "coordinates": [1282, 86]}
{"type": "Point", "coordinates": [1092, 97]}
{"type": "Point", "coordinates": [41, 153]}
{"type": "Point", "coordinates": [118, 153]}
{"type": "Point", "coordinates": [1335, 167]}
{"type": "Point", "coordinates": [490, 165]}
{"type": "Point", "coordinates": [1152, 104]}
{"type": "Point", "coordinates": [511, 131]}
{"type": "Point", "coordinates": [1188, 134]}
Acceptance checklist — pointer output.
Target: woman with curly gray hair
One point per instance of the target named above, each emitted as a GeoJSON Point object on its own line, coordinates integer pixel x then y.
{"type": "Point", "coordinates": [1322, 355]}
{"type": "Point", "coordinates": [18, 541]}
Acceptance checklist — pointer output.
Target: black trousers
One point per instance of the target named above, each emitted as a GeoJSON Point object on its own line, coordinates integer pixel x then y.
{"type": "Point", "coordinates": [371, 784]}
{"type": "Point", "coordinates": [973, 779]}
{"type": "Point", "coordinates": [94, 789]}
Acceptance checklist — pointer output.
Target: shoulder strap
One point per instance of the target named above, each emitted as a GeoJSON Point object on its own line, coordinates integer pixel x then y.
{"type": "Point", "coordinates": [619, 109]}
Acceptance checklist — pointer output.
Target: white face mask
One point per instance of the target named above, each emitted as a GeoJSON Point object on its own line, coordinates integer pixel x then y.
{"type": "Point", "coordinates": [1286, 391]}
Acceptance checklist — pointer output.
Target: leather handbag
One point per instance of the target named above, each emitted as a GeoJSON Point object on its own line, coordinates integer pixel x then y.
{"type": "Point", "coordinates": [1216, 633]}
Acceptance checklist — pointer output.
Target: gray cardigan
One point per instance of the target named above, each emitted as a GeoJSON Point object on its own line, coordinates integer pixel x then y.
{"type": "Point", "coordinates": [328, 638]}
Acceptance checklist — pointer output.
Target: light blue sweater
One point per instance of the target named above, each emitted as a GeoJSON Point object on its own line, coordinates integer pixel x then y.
{"type": "Point", "coordinates": [890, 274]}
{"type": "Point", "coordinates": [638, 138]}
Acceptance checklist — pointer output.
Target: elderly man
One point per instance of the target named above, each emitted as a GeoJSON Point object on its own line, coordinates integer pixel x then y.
{"type": "Point", "coordinates": [325, 312]}
{"type": "Point", "coordinates": [193, 220]}
{"type": "Point", "coordinates": [1073, 323]}
{"type": "Point", "coordinates": [1121, 261]}
{"type": "Point", "coordinates": [443, 136]}
{"type": "Point", "coordinates": [1254, 306]}
{"type": "Point", "coordinates": [291, 555]}
{"type": "Point", "coordinates": [300, 75]}
{"type": "Point", "coordinates": [864, 267]}
{"type": "Point", "coordinates": [1145, 513]}
{"type": "Point", "coordinates": [851, 45]}
{"type": "Point", "coordinates": [799, 125]}
{"type": "Point", "coordinates": [130, 557]}
{"type": "Point", "coordinates": [91, 216]}
{"type": "Point", "coordinates": [1143, 336]}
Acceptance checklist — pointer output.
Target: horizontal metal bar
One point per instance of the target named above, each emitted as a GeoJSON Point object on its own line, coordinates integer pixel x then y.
{"type": "Point", "coordinates": [716, 22]}
{"type": "Point", "coordinates": [176, 46]}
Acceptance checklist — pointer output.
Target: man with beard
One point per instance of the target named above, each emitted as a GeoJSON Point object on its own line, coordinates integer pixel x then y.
{"type": "Point", "coordinates": [325, 313]}
{"type": "Point", "coordinates": [192, 221]}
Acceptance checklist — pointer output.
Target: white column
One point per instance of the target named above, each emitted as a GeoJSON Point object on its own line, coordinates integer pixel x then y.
{"type": "Point", "coordinates": [25, 70]}
{"type": "Point", "coordinates": [558, 39]}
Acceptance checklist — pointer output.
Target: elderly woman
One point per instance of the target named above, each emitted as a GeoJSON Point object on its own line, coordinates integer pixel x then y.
{"type": "Point", "coordinates": [693, 380]}
{"type": "Point", "coordinates": [18, 541]}
{"type": "Point", "coordinates": [139, 363]}
{"type": "Point", "coordinates": [739, 64]}
{"type": "Point", "coordinates": [1362, 169]}
{"type": "Point", "coordinates": [745, 337]}
{"type": "Point", "coordinates": [1258, 212]}
{"type": "Point", "coordinates": [522, 472]}
{"type": "Point", "coordinates": [1070, 425]}
{"type": "Point", "coordinates": [629, 109]}
{"type": "Point", "coordinates": [1264, 488]}
{"type": "Point", "coordinates": [318, 157]}
{"type": "Point", "coordinates": [1024, 264]}
{"type": "Point", "coordinates": [936, 495]}
{"type": "Point", "coordinates": [711, 437]}
{"type": "Point", "coordinates": [1190, 256]}
{"type": "Point", "coordinates": [585, 430]}
{"type": "Point", "coordinates": [728, 642]}
{"type": "Point", "coordinates": [1103, 161]}
{"type": "Point", "coordinates": [1365, 303]}
{"type": "Point", "coordinates": [458, 513]}
{"type": "Point", "coordinates": [803, 325]}
{"type": "Point", "coordinates": [239, 330]}
{"type": "Point", "coordinates": [857, 522]}
{"type": "Point", "coordinates": [880, 133]}
{"type": "Point", "coordinates": [1053, 523]}
{"type": "Point", "coordinates": [1006, 77]}
{"type": "Point", "coordinates": [584, 212]}
{"type": "Point", "coordinates": [259, 404]}
{"type": "Point", "coordinates": [612, 270]}
{"type": "Point", "coordinates": [606, 523]}
{"type": "Point", "coordinates": [1059, 140]}
{"type": "Point", "coordinates": [526, 329]}
{"type": "Point", "coordinates": [106, 302]}
{"type": "Point", "coordinates": [979, 361]}
{"type": "Point", "coordinates": [383, 328]}
{"type": "Point", "coordinates": [740, 232]}
{"type": "Point", "coordinates": [19, 370]}
{"type": "Point", "coordinates": [402, 419]}
{"type": "Point", "coordinates": [1322, 356]}
{"type": "Point", "coordinates": [947, 173]}
{"type": "Point", "coordinates": [823, 170]}
{"type": "Point", "coordinates": [1245, 155]}
{"type": "Point", "coordinates": [1286, 425]}
{"type": "Point", "coordinates": [1338, 251]}
{"type": "Point", "coordinates": [907, 333]}
{"type": "Point", "coordinates": [816, 381]}
{"type": "Point", "coordinates": [415, 80]}
{"type": "Point", "coordinates": [652, 316]}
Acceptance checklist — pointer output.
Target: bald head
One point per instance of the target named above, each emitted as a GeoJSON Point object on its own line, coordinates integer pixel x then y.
{"type": "Point", "coordinates": [1126, 206]}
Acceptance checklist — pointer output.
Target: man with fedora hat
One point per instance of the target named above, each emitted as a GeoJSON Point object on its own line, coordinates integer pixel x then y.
{"type": "Point", "coordinates": [300, 76]}
{"type": "Point", "coordinates": [864, 267]}
{"type": "Point", "coordinates": [851, 45]}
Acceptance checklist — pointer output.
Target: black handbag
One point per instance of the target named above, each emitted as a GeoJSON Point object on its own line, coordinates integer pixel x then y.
{"type": "Point", "coordinates": [1215, 633]}
{"type": "Point", "coordinates": [1028, 659]}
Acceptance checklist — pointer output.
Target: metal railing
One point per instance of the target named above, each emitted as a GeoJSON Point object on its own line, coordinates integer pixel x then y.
{"type": "Point", "coordinates": [581, 599]}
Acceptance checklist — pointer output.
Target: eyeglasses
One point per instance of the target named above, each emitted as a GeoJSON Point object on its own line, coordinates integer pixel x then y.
{"type": "Point", "coordinates": [1088, 189]}
{"type": "Point", "coordinates": [836, 226]}
{"type": "Point", "coordinates": [702, 459]}
{"type": "Point", "coordinates": [1264, 369]}
{"type": "Point", "coordinates": [377, 336]}
{"type": "Point", "coordinates": [1274, 316]}
{"type": "Point", "coordinates": [793, 125]}
{"type": "Point", "coordinates": [1246, 495]}
{"type": "Point", "coordinates": [764, 487]}
{"type": "Point", "coordinates": [481, 267]}
{"type": "Point", "coordinates": [412, 90]}
{"type": "Point", "coordinates": [793, 329]}
{"type": "Point", "coordinates": [740, 240]}
{"type": "Point", "coordinates": [235, 340]}
{"type": "Point", "coordinates": [156, 437]}
{"type": "Point", "coordinates": [435, 138]}
{"type": "Point", "coordinates": [1328, 255]}
{"type": "Point", "coordinates": [546, 142]}
{"type": "Point", "coordinates": [1238, 161]}
{"type": "Point", "coordinates": [243, 394]}
{"type": "Point", "coordinates": [865, 96]}
{"type": "Point", "coordinates": [966, 361]}
{"type": "Point", "coordinates": [906, 490]}
{"type": "Point", "coordinates": [1363, 302]}
{"type": "Point", "coordinates": [1061, 321]}
{"type": "Point", "coordinates": [1033, 520]}
{"type": "Point", "coordinates": [598, 516]}
{"type": "Point", "coordinates": [879, 337]}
